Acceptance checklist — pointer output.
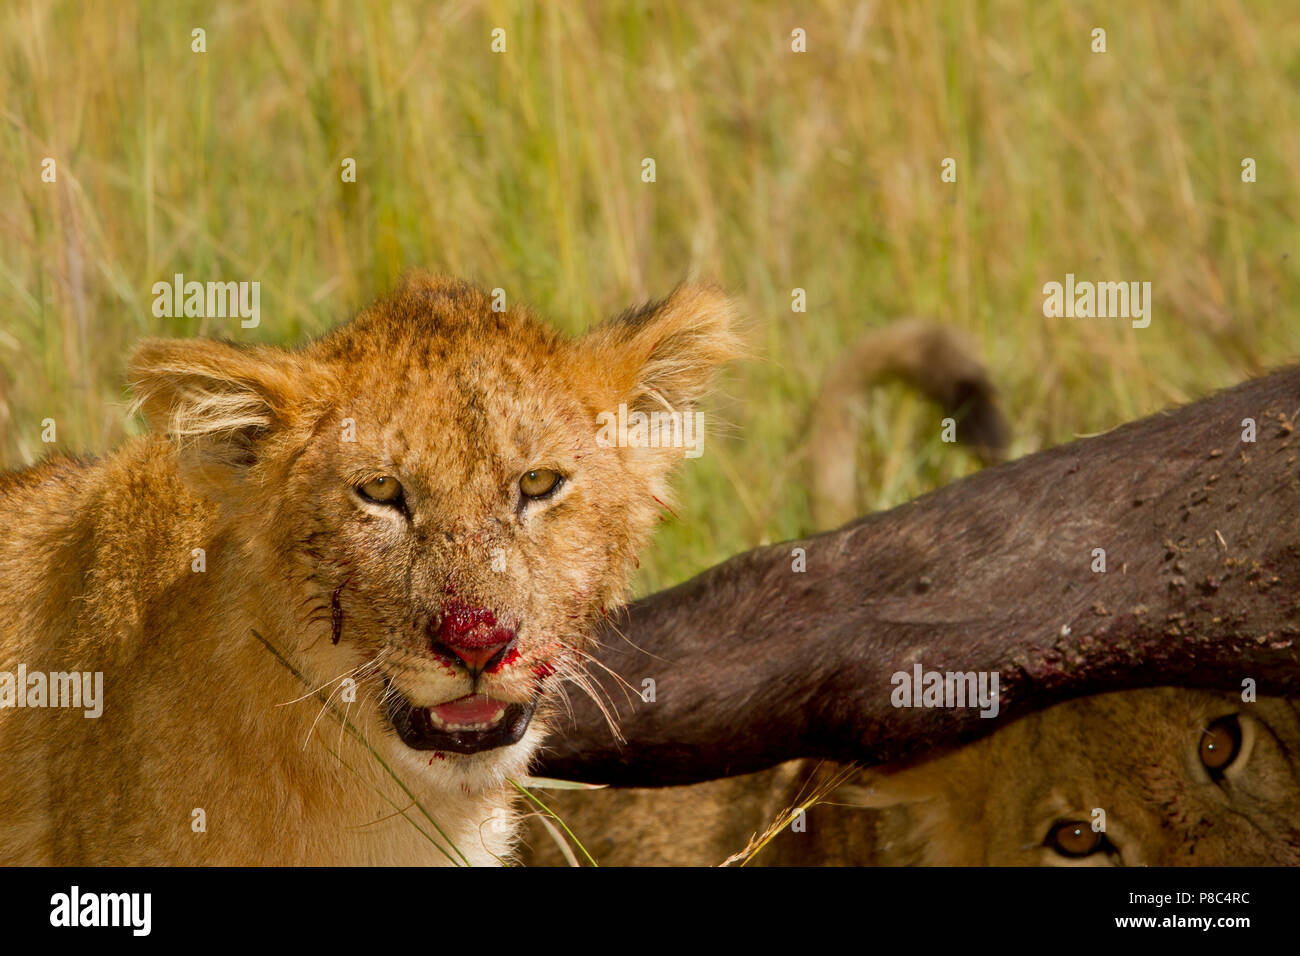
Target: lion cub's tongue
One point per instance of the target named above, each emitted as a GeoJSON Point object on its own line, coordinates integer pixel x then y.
{"type": "Point", "coordinates": [470, 710]}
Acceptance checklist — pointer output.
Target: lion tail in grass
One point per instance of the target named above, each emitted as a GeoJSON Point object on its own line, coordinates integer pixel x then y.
{"type": "Point", "coordinates": [939, 362]}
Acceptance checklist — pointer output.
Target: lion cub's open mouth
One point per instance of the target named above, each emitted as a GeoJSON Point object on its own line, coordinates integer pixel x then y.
{"type": "Point", "coordinates": [466, 725]}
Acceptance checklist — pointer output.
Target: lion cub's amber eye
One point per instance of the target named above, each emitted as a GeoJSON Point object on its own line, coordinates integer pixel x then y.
{"type": "Point", "coordinates": [1074, 839]}
{"type": "Point", "coordinates": [382, 490]}
{"type": "Point", "coordinates": [1220, 744]}
{"type": "Point", "coordinates": [539, 482]}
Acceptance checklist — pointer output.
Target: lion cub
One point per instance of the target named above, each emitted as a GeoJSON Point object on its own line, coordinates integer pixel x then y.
{"type": "Point", "coordinates": [333, 594]}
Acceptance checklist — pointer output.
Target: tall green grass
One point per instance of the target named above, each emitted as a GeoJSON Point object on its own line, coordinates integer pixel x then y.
{"type": "Point", "coordinates": [775, 170]}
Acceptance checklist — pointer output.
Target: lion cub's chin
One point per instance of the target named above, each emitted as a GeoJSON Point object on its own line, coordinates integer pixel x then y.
{"type": "Point", "coordinates": [479, 772]}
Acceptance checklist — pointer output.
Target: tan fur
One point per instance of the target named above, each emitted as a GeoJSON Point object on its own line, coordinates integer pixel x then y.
{"type": "Point", "coordinates": [246, 461]}
{"type": "Point", "coordinates": [1132, 754]}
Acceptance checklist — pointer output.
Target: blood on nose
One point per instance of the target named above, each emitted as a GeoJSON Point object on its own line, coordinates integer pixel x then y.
{"type": "Point", "coordinates": [471, 634]}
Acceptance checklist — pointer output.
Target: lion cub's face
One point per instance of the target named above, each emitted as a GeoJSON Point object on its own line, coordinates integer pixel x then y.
{"type": "Point", "coordinates": [1180, 777]}
{"type": "Point", "coordinates": [424, 497]}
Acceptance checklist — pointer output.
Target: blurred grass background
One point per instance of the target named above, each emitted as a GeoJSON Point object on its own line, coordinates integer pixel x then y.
{"type": "Point", "coordinates": [775, 170]}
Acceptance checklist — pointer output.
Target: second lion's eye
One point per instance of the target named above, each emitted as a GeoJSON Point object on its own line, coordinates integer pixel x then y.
{"type": "Point", "coordinates": [383, 490]}
{"type": "Point", "coordinates": [1220, 745]}
{"type": "Point", "coordinates": [539, 482]}
{"type": "Point", "coordinates": [1074, 839]}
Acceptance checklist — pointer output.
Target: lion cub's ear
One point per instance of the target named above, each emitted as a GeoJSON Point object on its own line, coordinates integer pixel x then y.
{"type": "Point", "coordinates": [216, 401]}
{"type": "Point", "coordinates": [662, 355]}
